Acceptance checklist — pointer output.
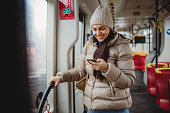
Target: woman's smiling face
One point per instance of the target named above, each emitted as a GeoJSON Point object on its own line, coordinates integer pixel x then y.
{"type": "Point", "coordinates": [101, 32]}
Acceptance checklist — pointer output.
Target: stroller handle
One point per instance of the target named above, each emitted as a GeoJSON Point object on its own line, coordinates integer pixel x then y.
{"type": "Point", "coordinates": [44, 97]}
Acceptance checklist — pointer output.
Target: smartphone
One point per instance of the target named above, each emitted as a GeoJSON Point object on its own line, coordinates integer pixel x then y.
{"type": "Point", "coordinates": [93, 60]}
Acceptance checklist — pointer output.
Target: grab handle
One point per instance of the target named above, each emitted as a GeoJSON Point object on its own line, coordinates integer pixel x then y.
{"type": "Point", "coordinates": [164, 65]}
{"type": "Point", "coordinates": [44, 97]}
{"type": "Point", "coordinates": [157, 70]}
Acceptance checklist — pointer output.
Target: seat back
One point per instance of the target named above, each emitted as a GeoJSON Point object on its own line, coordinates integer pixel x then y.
{"type": "Point", "coordinates": [151, 83]}
{"type": "Point", "coordinates": [162, 95]}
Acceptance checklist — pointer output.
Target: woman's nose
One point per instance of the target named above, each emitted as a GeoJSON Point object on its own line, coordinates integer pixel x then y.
{"type": "Point", "coordinates": [98, 33]}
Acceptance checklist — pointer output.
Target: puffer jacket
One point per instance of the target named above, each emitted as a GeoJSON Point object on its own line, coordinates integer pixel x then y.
{"type": "Point", "coordinates": [111, 93]}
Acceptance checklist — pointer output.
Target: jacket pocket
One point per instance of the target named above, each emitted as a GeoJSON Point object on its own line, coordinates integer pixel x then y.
{"type": "Point", "coordinates": [111, 89]}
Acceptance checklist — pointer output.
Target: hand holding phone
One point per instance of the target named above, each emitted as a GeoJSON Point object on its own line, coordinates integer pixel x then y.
{"type": "Point", "coordinates": [98, 64]}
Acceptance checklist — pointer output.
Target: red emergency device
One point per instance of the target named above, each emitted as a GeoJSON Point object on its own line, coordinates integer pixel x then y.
{"type": "Point", "coordinates": [66, 9]}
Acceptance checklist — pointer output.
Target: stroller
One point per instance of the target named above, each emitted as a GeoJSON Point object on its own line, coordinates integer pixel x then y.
{"type": "Point", "coordinates": [44, 97]}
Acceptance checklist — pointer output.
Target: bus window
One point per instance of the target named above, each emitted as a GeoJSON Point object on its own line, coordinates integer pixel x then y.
{"type": "Point", "coordinates": [36, 14]}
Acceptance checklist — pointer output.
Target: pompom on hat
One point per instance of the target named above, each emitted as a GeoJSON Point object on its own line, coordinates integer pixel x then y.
{"type": "Point", "coordinates": [101, 16]}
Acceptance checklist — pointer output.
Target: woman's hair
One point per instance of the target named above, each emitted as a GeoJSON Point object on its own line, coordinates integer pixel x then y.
{"type": "Point", "coordinates": [102, 52]}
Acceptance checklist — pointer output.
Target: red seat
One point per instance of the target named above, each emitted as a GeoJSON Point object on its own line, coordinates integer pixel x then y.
{"type": "Point", "coordinates": [151, 84]}
{"type": "Point", "coordinates": [169, 92]}
{"type": "Point", "coordinates": [139, 62]}
{"type": "Point", "coordinates": [162, 95]}
{"type": "Point", "coordinates": [139, 59]}
{"type": "Point", "coordinates": [143, 62]}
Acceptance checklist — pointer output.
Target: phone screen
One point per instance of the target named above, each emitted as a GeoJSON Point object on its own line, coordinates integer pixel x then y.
{"type": "Point", "coordinates": [93, 60]}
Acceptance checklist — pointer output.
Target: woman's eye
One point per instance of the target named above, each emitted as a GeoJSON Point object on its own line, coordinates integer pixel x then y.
{"type": "Point", "coordinates": [102, 28]}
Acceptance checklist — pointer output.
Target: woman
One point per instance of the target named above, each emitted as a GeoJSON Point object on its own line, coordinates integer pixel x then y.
{"type": "Point", "coordinates": [111, 75]}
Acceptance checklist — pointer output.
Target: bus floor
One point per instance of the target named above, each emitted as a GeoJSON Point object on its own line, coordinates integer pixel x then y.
{"type": "Point", "coordinates": [142, 101]}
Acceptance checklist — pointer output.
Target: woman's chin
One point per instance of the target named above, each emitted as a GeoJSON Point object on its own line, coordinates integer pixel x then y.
{"type": "Point", "coordinates": [100, 40]}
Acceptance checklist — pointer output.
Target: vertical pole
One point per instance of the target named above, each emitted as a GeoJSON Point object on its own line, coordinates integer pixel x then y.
{"type": "Point", "coordinates": [132, 37]}
{"type": "Point", "coordinates": [157, 41]}
{"type": "Point", "coordinates": [149, 38]}
{"type": "Point", "coordinates": [129, 34]}
{"type": "Point", "coordinates": [73, 64]}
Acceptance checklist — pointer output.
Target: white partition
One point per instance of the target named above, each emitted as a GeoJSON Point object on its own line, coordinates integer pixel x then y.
{"type": "Point", "coordinates": [67, 36]}
{"type": "Point", "coordinates": [51, 49]}
{"type": "Point", "coordinates": [165, 55]}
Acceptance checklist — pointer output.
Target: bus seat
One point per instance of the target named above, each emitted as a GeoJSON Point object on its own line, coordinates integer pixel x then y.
{"type": "Point", "coordinates": [162, 96]}
{"type": "Point", "coordinates": [151, 84]}
{"type": "Point", "coordinates": [139, 60]}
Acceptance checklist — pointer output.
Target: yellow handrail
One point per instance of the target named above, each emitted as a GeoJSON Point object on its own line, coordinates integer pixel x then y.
{"type": "Point", "coordinates": [157, 70]}
{"type": "Point", "coordinates": [150, 65]}
{"type": "Point", "coordinates": [141, 53]}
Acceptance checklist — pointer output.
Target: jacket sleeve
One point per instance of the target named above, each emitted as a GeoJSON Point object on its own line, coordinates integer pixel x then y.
{"type": "Point", "coordinates": [123, 74]}
{"type": "Point", "coordinates": [78, 72]}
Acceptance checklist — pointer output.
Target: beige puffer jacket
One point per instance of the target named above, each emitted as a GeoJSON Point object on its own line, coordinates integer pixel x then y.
{"type": "Point", "coordinates": [112, 93]}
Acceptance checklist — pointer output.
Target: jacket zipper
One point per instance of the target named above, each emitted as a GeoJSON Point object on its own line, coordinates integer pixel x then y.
{"type": "Point", "coordinates": [92, 94]}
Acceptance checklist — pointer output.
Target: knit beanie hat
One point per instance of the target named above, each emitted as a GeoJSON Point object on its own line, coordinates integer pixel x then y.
{"type": "Point", "coordinates": [101, 16]}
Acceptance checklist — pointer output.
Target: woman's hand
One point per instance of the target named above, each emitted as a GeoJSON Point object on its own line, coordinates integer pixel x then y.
{"type": "Point", "coordinates": [56, 79]}
{"type": "Point", "coordinates": [99, 65]}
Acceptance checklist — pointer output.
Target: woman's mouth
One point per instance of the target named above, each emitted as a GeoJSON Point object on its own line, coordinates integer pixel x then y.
{"type": "Point", "coordinates": [100, 37]}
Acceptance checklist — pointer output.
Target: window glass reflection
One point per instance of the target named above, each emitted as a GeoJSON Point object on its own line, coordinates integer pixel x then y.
{"type": "Point", "coordinates": [36, 15]}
